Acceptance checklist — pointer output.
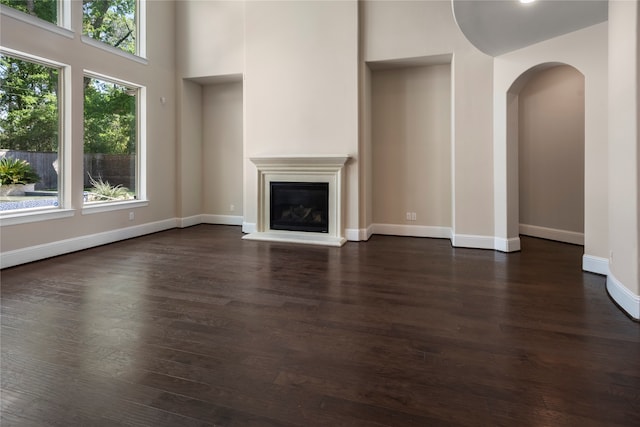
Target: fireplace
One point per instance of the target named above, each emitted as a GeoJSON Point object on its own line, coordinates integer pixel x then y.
{"type": "Point", "coordinates": [299, 200]}
{"type": "Point", "coordinates": [300, 206]}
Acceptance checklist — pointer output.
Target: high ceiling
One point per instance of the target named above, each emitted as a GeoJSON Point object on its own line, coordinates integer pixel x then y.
{"type": "Point", "coordinates": [500, 26]}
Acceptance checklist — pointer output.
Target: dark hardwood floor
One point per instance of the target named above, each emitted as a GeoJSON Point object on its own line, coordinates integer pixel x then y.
{"type": "Point", "coordinates": [198, 327]}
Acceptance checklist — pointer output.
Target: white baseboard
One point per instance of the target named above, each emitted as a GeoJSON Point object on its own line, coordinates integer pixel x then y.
{"type": "Point", "coordinates": [506, 245]}
{"type": "Point", "coordinates": [189, 221]}
{"type": "Point", "coordinates": [595, 264]}
{"type": "Point", "coordinates": [358, 234]}
{"type": "Point", "coordinates": [472, 241]}
{"type": "Point", "coordinates": [249, 227]}
{"type": "Point", "coordinates": [354, 234]}
{"type": "Point", "coordinates": [411, 230]}
{"type": "Point", "coordinates": [221, 219]}
{"type": "Point", "coordinates": [552, 234]}
{"type": "Point", "coordinates": [48, 250]}
{"type": "Point", "coordinates": [626, 299]}
{"type": "Point", "coordinates": [369, 231]}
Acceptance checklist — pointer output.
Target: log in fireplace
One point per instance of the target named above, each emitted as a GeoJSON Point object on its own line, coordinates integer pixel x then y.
{"type": "Point", "coordinates": [299, 206]}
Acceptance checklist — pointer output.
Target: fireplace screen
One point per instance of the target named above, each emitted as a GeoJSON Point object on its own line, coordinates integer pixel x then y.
{"type": "Point", "coordinates": [300, 206]}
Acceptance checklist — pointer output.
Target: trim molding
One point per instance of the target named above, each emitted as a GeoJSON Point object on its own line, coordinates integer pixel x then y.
{"type": "Point", "coordinates": [369, 231]}
{"type": "Point", "coordinates": [411, 230]}
{"type": "Point", "coordinates": [472, 241]}
{"type": "Point", "coordinates": [626, 300]}
{"type": "Point", "coordinates": [355, 234]}
{"type": "Point", "coordinates": [249, 227]}
{"type": "Point", "coordinates": [552, 234]}
{"type": "Point", "coordinates": [595, 264]}
{"type": "Point", "coordinates": [61, 247]}
{"type": "Point", "coordinates": [221, 219]}
{"type": "Point", "coordinates": [507, 245]}
{"type": "Point", "coordinates": [189, 221]}
{"type": "Point", "coordinates": [34, 216]}
{"type": "Point", "coordinates": [209, 219]}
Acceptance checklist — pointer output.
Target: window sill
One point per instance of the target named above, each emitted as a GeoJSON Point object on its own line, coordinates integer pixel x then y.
{"type": "Point", "coordinates": [32, 20]}
{"type": "Point", "coordinates": [97, 207]}
{"type": "Point", "coordinates": [33, 215]}
{"type": "Point", "coordinates": [100, 45]}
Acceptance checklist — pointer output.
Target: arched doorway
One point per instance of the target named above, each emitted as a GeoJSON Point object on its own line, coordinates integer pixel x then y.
{"type": "Point", "coordinates": [545, 145]}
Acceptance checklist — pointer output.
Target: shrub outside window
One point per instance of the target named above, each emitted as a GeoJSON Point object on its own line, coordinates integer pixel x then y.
{"type": "Point", "coordinates": [110, 141]}
{"type": "Point", "coordinates": [29, 134]}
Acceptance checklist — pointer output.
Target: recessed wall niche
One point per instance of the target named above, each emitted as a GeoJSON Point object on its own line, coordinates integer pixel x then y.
{"type": "Point", "coordinates": [218, 100]}
{"type": "Point", "coordinates": [411, 144]}
{"type": "Point", "coordinates": [222, 148]}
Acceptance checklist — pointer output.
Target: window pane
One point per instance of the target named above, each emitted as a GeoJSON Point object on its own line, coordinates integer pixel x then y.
{"type": "Point", "coordinates": [29, 123]}
{"type": "Point", "coordinates": [112, 22]}
{"type": "Point", "coordinates": [43, 9]}
{"type": "Point", "coordinates": [110, 130]}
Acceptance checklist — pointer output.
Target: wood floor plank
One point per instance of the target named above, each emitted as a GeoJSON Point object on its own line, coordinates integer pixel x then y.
{"type": "Point", "coordinates": [196, 326]}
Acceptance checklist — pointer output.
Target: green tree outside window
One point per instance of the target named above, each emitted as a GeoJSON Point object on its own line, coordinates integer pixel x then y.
{"type": "Point", "coordinates": [112, 22]}
{"type": "Point", "coordinates": [28, 105]}
{"type": "Point", "coordinates": [43, 9]}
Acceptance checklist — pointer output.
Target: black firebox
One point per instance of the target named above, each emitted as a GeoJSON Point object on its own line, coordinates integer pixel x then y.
{"type": "Point", "coordinates": [300, 206]}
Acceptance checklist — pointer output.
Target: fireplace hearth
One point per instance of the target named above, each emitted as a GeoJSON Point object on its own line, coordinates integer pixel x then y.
{"type": "Point", "coordinates": [300, 206]}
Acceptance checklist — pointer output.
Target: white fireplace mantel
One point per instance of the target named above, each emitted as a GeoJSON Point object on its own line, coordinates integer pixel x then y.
{"type": "Point", "coordinates": [327, 168]}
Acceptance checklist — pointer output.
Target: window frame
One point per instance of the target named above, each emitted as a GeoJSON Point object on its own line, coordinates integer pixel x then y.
{"type": "Point", "coordinates": [141, 41]}
{"type": "Point", "coordinates": [62, 27]}
{"type": "Point", "coordinates": [63, 210]}
{"type": "Point", "coordinates": [141, 150]}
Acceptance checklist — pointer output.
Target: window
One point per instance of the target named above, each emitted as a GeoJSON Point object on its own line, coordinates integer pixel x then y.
{"type": "Point", "coordinates": [112, 22]}
{"type": "Point", "coordinates": [29, 134]}
{"type": "Point", "coordinates": [110, 141]}
{"type": "Point", "coordinates": [44, 9]}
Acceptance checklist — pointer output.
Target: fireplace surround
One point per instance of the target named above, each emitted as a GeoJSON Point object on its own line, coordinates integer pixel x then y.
{"type": "Point", "coordinates": [303, 172]}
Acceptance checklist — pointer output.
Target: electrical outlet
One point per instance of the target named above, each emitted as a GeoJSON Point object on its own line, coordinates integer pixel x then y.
{"type": "Point", "coordinates": [408, 216]}
{"type": "Point", "coordinates": [413, 216]}
{"type": "Point", "coordinates": [232, 208]}
{"type": "Point", "coordinates": [132, 216]}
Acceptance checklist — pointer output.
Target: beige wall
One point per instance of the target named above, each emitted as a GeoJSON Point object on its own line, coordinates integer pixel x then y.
{"type": "Point", "coordinates": [301, 88]}
{"type": "Point", "coordinates": [406, 30]}
{"type": "Point", "coordinates": [551, 150]}
{"type": "Point", "coordinates": [365, 152]}
{"type": "Point", "coordinates": [189, 150]}
{"type": "Point", "coordinates": [222, 149]}
{"type": "Point", "coordinates": [624, 154]}
{"type": "Point", "coordinates": [158, 76]}
{"type": "Point", "coordinates": [209, 62]}
{"type": "Point", "coordinates": [411, 110]}
{"type": "Point", "coordinates": [211, 38]}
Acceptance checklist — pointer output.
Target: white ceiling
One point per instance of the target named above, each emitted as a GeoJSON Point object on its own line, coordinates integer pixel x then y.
{"type": "Point", "coordinates": [500, 26]}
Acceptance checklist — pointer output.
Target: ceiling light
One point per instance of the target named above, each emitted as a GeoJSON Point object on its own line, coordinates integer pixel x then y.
{"type": "Point", "coordinates": [526, 1]}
